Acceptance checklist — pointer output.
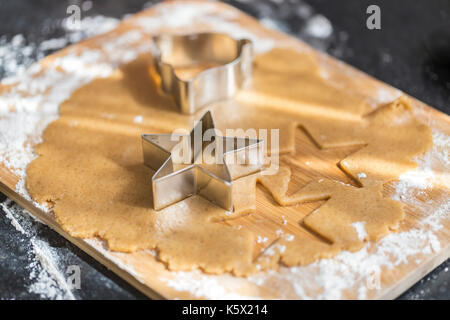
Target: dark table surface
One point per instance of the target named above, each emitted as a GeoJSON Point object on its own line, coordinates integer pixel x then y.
{"type": "Point", "coordinates": [402, 54]}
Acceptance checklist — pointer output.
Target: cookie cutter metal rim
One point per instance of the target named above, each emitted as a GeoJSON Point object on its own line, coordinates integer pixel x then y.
{"type": "Point", "coordinates": [217, 189]}
{"type": "Point", "coordinates": [227, 180]}
{"type": "Point", "coordinates": [210, 85]}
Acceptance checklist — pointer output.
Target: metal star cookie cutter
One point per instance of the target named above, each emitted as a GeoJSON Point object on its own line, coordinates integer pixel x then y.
{"type": "Point", "coordinates": [213, 84]}
{"type": "Point", "coordinates": [212, 180]}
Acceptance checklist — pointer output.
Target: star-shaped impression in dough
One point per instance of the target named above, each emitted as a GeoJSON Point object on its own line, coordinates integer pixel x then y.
{"type": "Point", "coordinates": [200, 162]}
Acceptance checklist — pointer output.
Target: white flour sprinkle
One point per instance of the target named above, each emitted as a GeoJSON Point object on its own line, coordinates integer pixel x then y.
{"type": "Point", "coordinates": [422, 177]}
{"type": "Point", "coordinates": [10, 215]}
{"type": "Point", "coordinates": [319, 26]}
{"type": "Point", "coordinates": [384, 95]}
{"type": "Point", "coordinates": [442, 141]}
{"type": "Point", "coordinates": [276, 248]}
{"type": "Point", "coordinates": [360, 230]}
{"type": "Point", "coordinates": [289, 237]}
{"type": "Point", "coordinates": [201, 285]}
{"type": "Point", "coordinates": [180, 15]}
{"type": "Point", "coordinates": [47, 280]}
{"type": "Point", "coordinates": [262, 239]}
{"type": "Point", "coordinates": [17, 54]}
{"type": "Point", "coordinates": [138, 119]}
{"type": "Point", "coordinates": [53, 44]}
{"type": "Point", "coordinates": [50, 282]}
{"type": "Point", "coordinates": [30, 106]}
{"type": "Point", "coordinates": [361, 175]}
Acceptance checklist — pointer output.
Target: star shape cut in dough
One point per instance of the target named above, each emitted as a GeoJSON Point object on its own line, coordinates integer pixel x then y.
{"type": "Point", "coordinates": [200, 162]}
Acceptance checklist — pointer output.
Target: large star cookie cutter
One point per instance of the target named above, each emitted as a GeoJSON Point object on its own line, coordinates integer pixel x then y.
{"type": "Point", "coordinates": [200, 162]}
{"type": "Point", "coordinates": [231, 69]}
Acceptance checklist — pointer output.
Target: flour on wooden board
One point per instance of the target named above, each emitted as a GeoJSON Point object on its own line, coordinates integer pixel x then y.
{"type": "Point", "coordinates": [51, 282]}
{"type": "Point", "coordinates": [360, 230]}
{"type": "Point", "coordinates": [24, 118]}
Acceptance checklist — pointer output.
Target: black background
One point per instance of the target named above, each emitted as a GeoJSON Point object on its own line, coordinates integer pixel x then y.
{"type": "Point", "coordinates": [403, 53]}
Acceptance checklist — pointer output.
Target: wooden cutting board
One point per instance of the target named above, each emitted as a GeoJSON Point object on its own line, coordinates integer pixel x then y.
{"type": "Point", "coordinates": [334, 278]}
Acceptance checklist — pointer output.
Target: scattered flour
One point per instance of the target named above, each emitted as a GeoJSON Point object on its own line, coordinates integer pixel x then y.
{"type": "Point", "coordinates": [25, 111]}
{"type": "Point", "coordinates": [336, 277]}
{"type": "Point", "coordinates": [360, 230]}
{"type": "Point", "coordinates": [201, 285]}
{"type": "Point", "coordinates": [361, 175]}
{"type": "Point", "coordinates": [50, 282]}
{"type": "Point", "coordinates": [138, 119]}
{"type": "Point", "coordinates": [179, 16]}
{"type": "Point", "coordinates": [17, 54]}
{"type": "Point", "coordinates": [289, 237]}
{"type": "Point", "coordinates": [9, 214]}
{"type": "Point", "coordinates": [107, 115]}
{"type": "Point", "coordinates": [423, 176]}
{"type": "Point", "coordinates": [319, 26]}
{"type": "Point", "coordinates": [348, 272]}
{"type": "Point", "coordinates": [262, 239]}
{"type": "Point", "coordinates": [47, 280]}
{"type": "Point", "coordinates": [383, 95]}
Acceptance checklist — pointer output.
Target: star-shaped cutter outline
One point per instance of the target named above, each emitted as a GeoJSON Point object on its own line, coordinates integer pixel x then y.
{"type": "Point", "coordinates": [170, 186]}
{"type": "Point", "coordinates": [212, 84]}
